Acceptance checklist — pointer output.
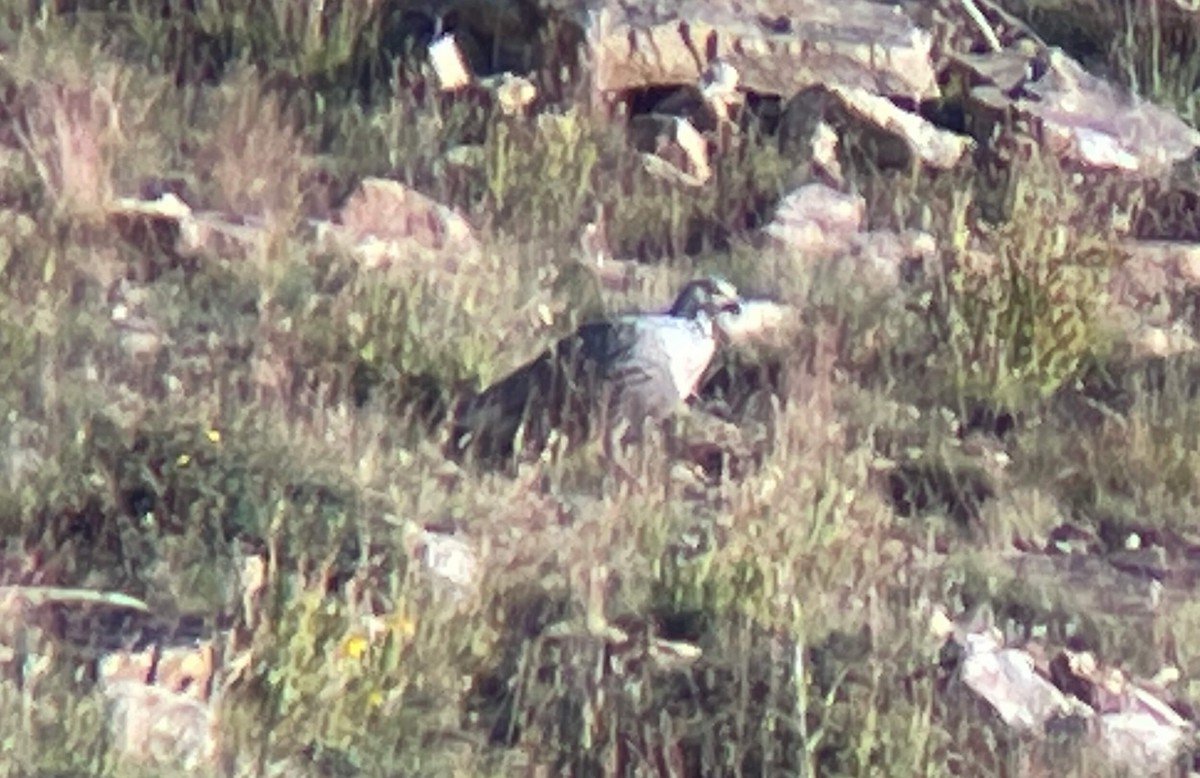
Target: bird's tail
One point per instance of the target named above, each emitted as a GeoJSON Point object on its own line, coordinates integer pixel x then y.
{"type": "Point", "coordinates": [486, 426]}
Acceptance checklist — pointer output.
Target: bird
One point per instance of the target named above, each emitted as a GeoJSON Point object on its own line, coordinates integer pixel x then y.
{"type": "Point", "coordinates": [615, 375]}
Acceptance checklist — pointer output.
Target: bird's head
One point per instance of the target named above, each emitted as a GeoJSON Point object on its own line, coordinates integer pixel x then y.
{"type": "Point", "coordinates": [710, 296]}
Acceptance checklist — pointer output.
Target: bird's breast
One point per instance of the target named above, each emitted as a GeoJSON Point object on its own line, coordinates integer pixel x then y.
{"type": "Point", "coordinates": [689, 346]}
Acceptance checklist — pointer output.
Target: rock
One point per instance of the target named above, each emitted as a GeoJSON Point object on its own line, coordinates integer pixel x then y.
{"type": "Point", "coordinates": [141, 339]}
{"type": "Point", "coordinates": [1006, 70]}
{"type": "Point", "coordinates": [186, 670]}
{"type": "Point", "coordinates": [449, 67]}
{"type": "Point", "coordinates": [451, 559]}
{"type": "Point", "coordinates": [224, 235]}
{"type": "Point", "coordinates": [151, 224]}
{"type": "Point", "coordinates": [167, 222]}
{"type": "Point", "coordinates": [823, 149]}
{"type": "Point", "coordinates": [932, 145]}
{"type": "Point", "coordinates": [1150, 293]}
{"type": "Point", "coordinates": [151, 726]}
{"type": "Point", "coordinates": [386, 224]}
{"type": "Point", "coordinates": [1148, 341]}
{"type": "Point", "coordinates": [889, 256]}
{"type": "Point", "coordinates": [1006, 679]}
{"type": "Point", "coordinates": [896, 136]}
{"type": "Point", "coordinates": [140, 334]}
{"type": "Point", "coordinates": [1076, 115]}
{"type": "Point", "coordinates": [158, 701]}
{"type": "Point", "coordinates": [167, 723]}
{"type": "Point", "coordinates": [777, 48]}
{"type": "Point", "coordinates": [817, 219]}
{"type": "Point", "coordinates": [166, 206]}
{"type": "Point", "coordinates": [672, 148]}
{"type": "Point", "coordinates": [1155, 267]}
{"type": "Point", "coordinates": [1078, 674]}
{"type": "Point", "coordinates": [758, 322]}
{"type": "Point", "coordinates": [1134, 729]}
{"type": "Point", "coordinates": [383, 207]}
{"type": "Point", "coordinates": [818, 224]}
{"type": "Point", "coordinates": [719, 87]}
{"type": "Point", "coordinates": [1139, 742]}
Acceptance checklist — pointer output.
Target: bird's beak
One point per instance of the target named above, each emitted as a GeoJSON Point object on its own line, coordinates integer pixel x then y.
{"type": "Point", "coordinates": [726, 316]}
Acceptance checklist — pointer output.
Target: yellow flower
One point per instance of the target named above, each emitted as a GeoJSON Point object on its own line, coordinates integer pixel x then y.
{"type": "Point", "coordinates": [354, 646]}
{"type": "Point", "coordinates": [183, 459]}
{"type": "Point", "coordinates": [375, 698]}
{"type": "Point", "coordinates": [213, 435]}
{"type": "Point", "coordinates": [402, 624]}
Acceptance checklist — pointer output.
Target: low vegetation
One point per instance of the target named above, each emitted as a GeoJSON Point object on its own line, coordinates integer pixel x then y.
{"type": "Point", "coordinates": [164, 415]}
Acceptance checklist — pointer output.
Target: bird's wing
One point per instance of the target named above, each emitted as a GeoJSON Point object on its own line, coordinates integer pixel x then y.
{"type": "Point", "coordinates": [557, 384]}
{"type": "Point", "coordinates": [656, 373]}
{"type": "Point", "coordinates": [680, 349]}
{"type": "Point", "coordinates": [600, 348]}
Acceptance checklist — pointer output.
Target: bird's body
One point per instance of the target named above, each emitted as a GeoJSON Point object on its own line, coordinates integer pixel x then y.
{"type": "Point", "coordinates": [662, 366]}
{"type": "Point", "coordinates": [622, 372]}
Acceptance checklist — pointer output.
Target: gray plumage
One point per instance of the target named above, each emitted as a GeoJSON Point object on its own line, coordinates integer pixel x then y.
{"type": "Point", "coordinates": [629, 371]}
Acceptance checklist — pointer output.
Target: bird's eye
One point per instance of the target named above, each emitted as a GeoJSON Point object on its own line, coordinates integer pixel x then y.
{"type": "Point", "coordinates": [732, 307]}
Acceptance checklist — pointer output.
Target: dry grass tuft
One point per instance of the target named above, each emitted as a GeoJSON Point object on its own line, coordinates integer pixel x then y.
{"type": "Point", "coordinates": [67, 119]}
{"type": "Point", "coordinates": [254, 162]}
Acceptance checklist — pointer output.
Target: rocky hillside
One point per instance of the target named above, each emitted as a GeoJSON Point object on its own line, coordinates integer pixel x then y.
{"type": "Point", "coordinates": [933, 511]}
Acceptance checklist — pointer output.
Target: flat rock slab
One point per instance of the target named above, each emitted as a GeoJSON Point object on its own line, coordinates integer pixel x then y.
{"type": "Point", "coordinates": [817, 223]}
{"type": "Point", "coordinates": [387, 224]}
{"type": "Point", "coordinates": [1128, 722]}
{"type": "Point", "coordinates": [391, 210]}
{"type": "Point", "coordinates": [1140, 742]}
{"type": "Point", "coordinates": [1156, 267]}
{"type": "Point", "coordinates": [777, 47]}
{"type": "Point", "coordinates": [1150, 295]}
{"type": "Point", "coordinates": [818, 116]}
{"type": "Point", "coordinates": [1080, 117]}
{"type": "Point", "coordinates": [933, 145]}
{"type": "Point", "coordinates": [167, 222]}
{"type": "Point", "coordinates": [1008, 681]}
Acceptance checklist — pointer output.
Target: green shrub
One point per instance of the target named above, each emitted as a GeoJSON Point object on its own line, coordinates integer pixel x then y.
{"type": "Point", "coordinates": [1021, 316]}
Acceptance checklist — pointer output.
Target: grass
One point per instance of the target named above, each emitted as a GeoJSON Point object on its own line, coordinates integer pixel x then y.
{"type": "Point", "coordinates": [166, 414]}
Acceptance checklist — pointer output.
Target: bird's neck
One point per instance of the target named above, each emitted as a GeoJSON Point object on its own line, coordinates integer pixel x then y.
{"type": "Point", "coordinates": [702, 322]}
